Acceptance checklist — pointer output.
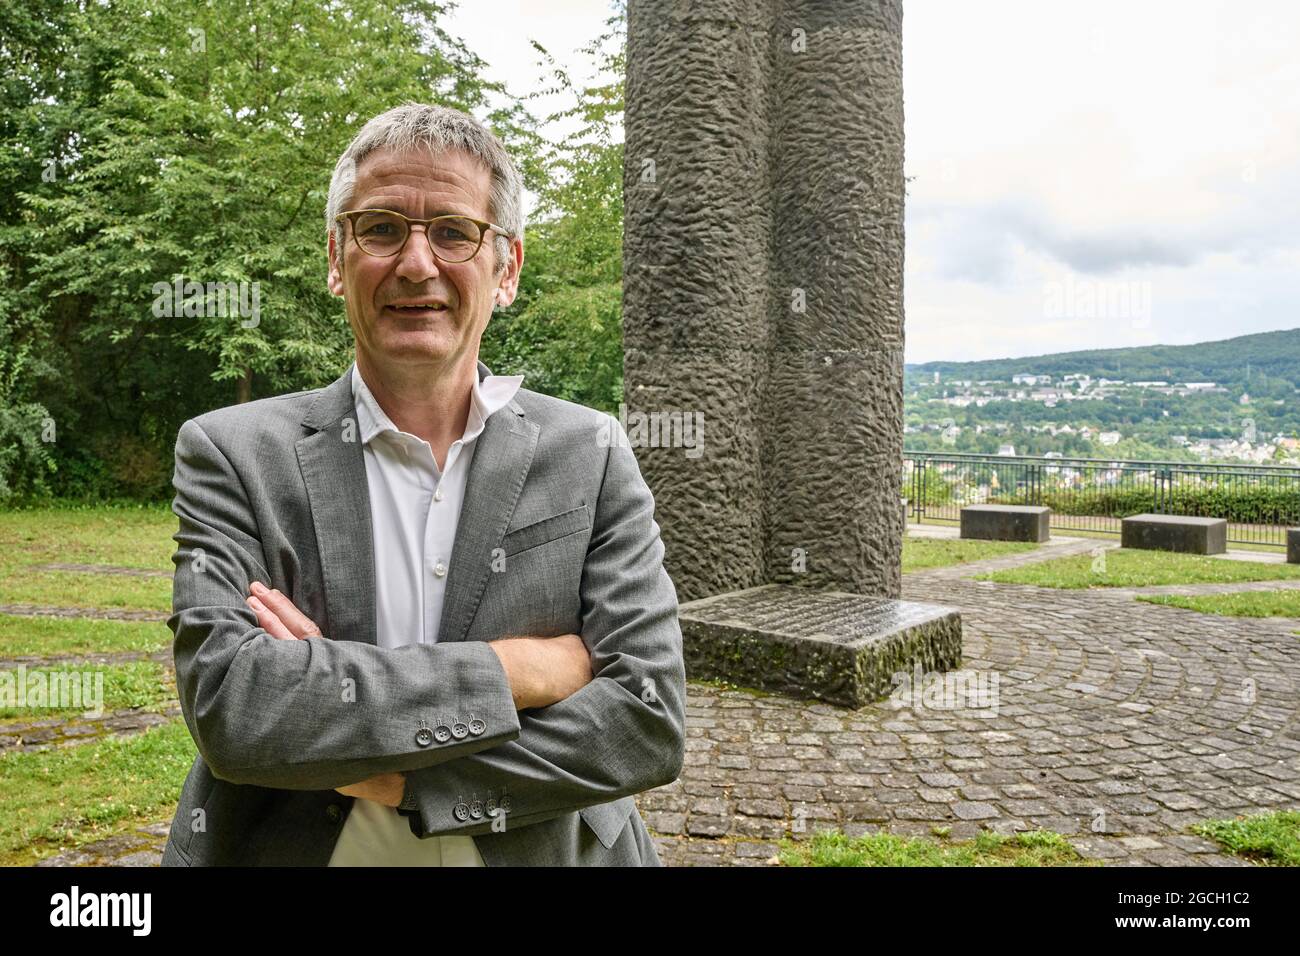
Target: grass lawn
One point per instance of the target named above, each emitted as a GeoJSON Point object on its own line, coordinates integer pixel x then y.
{"type": "Point", "coordinates": [1130, 567]}
{"type": "Point", "coordinates": [1243, 604]}
{"type": "Point", "coordinates": [111, 535]}
{"type": "Point", "coordinates": [920, 553]}
{"type": "Point", "coordinates": [21, 636]}
{"type": "Point", "coordinates": [59, 799]}
{"type": "Point", "coordinates": [1272, 839]}
{"type": "Point", "coordinates": [1033, 848]}
{"type": "Point", "coordinates": [130, 685]}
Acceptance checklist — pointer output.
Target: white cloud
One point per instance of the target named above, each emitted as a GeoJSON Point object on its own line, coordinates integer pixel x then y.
{"type": "Point", "coordinates": [1151, 143]}
{"type": "Point", "coordinates": [1110, 141]}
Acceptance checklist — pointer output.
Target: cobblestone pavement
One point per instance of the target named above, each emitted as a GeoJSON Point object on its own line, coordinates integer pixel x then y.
{"type": "Point", "coordinates": [1118, 724]}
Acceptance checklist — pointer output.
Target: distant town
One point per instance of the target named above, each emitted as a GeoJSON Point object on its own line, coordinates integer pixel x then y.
{"type": "Point", "coordinates": [1251, 417]}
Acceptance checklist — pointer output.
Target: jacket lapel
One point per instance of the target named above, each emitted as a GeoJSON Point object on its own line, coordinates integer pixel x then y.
{"type": "Point", "coordinates": [503, 453]}
{"type": "Point", "coordinates": [334, 470]}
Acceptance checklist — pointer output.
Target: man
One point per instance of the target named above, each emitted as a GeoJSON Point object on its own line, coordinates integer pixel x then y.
{"type": "Point", "coordinates": [420, 615]}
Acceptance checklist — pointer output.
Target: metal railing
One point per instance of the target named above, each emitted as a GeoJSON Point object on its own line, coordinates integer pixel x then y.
{"type": "Point", "coordinates": [1093, 494]}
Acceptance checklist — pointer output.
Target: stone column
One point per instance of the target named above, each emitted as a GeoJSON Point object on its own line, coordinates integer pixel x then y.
{"type": "Point", "coordinates": [763, 268]}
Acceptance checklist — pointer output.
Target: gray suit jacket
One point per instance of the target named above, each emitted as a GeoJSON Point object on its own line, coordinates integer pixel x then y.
{"type": "Point", "coordinates": [556, 536]}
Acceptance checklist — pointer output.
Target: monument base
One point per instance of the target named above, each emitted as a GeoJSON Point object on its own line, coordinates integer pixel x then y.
{"type": "Point", "coordinates": [841, 648]}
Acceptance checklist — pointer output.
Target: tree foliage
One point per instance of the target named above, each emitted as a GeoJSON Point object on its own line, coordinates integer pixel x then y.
{"type": "Point", "coordinates": [151, 142]}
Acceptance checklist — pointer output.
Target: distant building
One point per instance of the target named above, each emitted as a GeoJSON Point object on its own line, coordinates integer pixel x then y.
{"type": "Point", "coordinates": [1109, 438]}
{"type": "Point", "coordinates": [1007, 450]}
{"type": "Point", "coordinates": [1197, 386]}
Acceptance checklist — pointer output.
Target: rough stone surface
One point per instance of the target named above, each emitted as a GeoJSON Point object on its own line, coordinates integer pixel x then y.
{"type": "Point", "coordinates": [1006, 522]}
{"type": "Point", "coordinates": [1175, 533]}
{"type": "Point", "coordinates": [841, 648]}
{"type": "Point", "coordinates": [1293, 545]}
{"type": "Point", "coordinates": [741, 171]}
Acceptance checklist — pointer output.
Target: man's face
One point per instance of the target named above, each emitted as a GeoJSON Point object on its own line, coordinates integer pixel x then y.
{"type": "Point", "coordinates": [421, 185]}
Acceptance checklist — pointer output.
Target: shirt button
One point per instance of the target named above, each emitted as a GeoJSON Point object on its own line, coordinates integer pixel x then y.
{"type": "Point", "coordinates": [437, 494]}
{"type": "Point", "coordinates": [333, 812]}
{"type": "Point", "coordinates": [439, 569]}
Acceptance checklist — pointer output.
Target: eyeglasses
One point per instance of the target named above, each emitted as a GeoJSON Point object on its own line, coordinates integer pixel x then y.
{"type": "Point", "coordinates": [383, 233]}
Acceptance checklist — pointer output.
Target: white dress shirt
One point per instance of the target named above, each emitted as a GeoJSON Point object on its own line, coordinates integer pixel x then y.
{"type": "Point", "coordinates": [414, 511]}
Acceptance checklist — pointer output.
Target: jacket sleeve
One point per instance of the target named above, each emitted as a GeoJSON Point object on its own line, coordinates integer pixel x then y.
{"type": "Point", "coordinates": [621, 734]}
{"type": "Point", "coordinates": [307, 714]}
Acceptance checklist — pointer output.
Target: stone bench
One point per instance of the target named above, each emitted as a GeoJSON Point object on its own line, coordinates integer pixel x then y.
{"type": "Point", "coordinates": [1293, 545]}
{"type": "Point", "coordinates": [1175, 533]}
{"type": "Point", "coordinates": [845, 649]}
{"type": "Point", "coordinates": [1006, 522]}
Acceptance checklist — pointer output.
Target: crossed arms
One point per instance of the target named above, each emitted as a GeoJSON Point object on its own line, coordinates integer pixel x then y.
{"type": "Point", "coordinates": [274, 713]}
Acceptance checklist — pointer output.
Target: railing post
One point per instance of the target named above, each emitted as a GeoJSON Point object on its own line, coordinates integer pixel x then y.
{"type": "Point", "coordinates": [919, 483]}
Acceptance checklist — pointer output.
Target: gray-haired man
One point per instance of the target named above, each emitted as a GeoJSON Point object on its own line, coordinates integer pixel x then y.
{"type": "Point", "coordinates": [421, 614]}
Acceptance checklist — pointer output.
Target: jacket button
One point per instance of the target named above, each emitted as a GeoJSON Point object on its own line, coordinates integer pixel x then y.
{"type": "Point", "coordinates": [461, 812]}
{"type": "Point", "coordinates": [424, 736]}
{"type": "Point", "coordinates": [460, 730]}
{"type": "Point", "coordinates": [476, 727]}
{"type": "Point", "coordinates": [333, 812]}
{"type": "Point", "coordinates": [442, 733]}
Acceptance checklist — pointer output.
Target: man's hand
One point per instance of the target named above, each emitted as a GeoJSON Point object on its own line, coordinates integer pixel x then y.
{"type": "Point", "coordinates": [277, 615]}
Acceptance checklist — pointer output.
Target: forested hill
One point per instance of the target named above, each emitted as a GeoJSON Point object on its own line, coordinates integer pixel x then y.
{"type": "Point", "coordinates": [1229, 362]}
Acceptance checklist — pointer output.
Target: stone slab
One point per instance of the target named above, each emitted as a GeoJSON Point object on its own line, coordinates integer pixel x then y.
{"type": "Point", "coordinates": [1006, 522]}
{"type": "Point", "coordinates": [1293, 545]}
{"type": "Point", "coordinates": [1182, 533]}
{"type": "Point", "coordinates": [828, 645]}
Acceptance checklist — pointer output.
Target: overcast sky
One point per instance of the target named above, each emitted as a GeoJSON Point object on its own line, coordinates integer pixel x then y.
{"type": "Point", "coordinates": [1085, 174]}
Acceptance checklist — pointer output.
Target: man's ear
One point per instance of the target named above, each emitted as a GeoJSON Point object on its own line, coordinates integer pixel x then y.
{"type": "Point", "coordinates": [334, 252]}
{"type": "Point", "coordinates": [508, 285]}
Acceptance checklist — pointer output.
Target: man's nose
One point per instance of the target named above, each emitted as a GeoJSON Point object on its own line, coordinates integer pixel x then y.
{"type": "Point", "coordinates": [416, 261]}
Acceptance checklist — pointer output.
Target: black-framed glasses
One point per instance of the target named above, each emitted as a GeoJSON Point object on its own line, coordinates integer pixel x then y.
{"type": "Point", "coordinates": [383, 233]}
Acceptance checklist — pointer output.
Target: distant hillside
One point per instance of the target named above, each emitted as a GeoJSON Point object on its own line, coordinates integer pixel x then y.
{"type": "Point", "coordinates": [1272, 354]}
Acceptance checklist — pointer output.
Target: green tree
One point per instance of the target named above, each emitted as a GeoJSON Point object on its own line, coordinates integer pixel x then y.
{"type": "Point", "coordinates": [564, 332]}
{"type": "Point", "coordinates": [196, 141]}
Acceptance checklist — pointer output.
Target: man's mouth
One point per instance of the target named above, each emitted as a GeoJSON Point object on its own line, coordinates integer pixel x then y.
{"type": "Point", "coordinates": [423, 309]}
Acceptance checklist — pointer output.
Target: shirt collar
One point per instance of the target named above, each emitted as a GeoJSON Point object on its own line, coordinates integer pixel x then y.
{"type": "Point", "coordinates": [491, 394]}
